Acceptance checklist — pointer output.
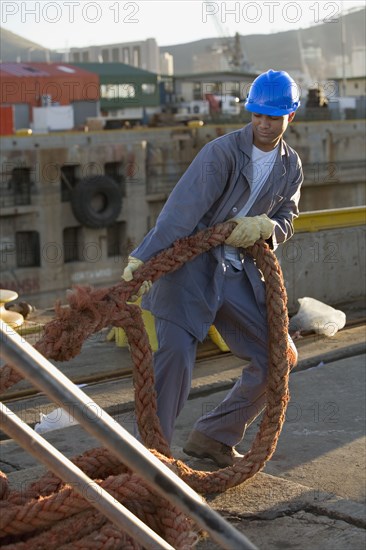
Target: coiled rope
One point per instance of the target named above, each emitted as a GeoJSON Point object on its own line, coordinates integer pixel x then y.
{"type": "Point", "coordinates": [40, 516]}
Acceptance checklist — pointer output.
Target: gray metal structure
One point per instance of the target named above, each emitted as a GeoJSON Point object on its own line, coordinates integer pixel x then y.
{"type": "Point", "coordinates": [97, 422]}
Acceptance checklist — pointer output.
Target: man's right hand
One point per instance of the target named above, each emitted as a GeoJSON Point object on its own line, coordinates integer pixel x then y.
{"type": "Point", "coordinates": [133, 264]}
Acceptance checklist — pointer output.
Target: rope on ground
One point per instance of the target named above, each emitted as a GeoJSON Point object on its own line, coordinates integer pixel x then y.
{"type": "Point", "coordinates": [47, 506]}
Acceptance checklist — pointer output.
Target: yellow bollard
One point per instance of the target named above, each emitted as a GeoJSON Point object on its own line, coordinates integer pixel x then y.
{"type": "Point", "coordinates": [119, 335]}
{"type": "Point", "coordinates": [12, 318]}
{"type": "Point", "coordinates": [217, 339]}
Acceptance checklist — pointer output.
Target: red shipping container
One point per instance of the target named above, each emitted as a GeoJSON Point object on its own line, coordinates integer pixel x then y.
{"type": "Point", "coordinates": [32, 83]}
{"type": "Point", "coordinates": [6, 120]}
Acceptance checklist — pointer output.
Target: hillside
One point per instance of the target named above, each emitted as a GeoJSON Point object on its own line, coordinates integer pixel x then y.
{"type": "Point", "coordinates": [13, 47]}
{"type": "Point", "coordinates": [282, 50]}
{"type": "Point", "coordinates": [278, 50]}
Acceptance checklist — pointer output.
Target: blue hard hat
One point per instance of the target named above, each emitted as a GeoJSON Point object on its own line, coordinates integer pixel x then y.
{"type": "Point", "coordinates": [273, 93]}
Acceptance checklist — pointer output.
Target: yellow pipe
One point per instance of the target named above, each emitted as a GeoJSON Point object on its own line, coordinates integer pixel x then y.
{"type": "Point", "coordinates": [318, 220]}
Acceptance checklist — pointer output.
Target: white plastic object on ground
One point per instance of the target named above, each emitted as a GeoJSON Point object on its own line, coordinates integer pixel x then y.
{"type": "Point", "coordinates": [317, 316]}
{"type": "Point", "coordinates": [56, 419]}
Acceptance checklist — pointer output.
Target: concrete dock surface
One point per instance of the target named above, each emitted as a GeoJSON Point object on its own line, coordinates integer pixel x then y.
{"type": "Point", "coordinates": [311, 494]}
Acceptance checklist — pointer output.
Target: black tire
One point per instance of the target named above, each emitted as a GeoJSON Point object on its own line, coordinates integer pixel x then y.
{"type": "Point", "coordinates": [96, 201]}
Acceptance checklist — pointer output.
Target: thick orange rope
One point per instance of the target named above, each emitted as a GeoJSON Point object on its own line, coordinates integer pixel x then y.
{"type": "Point", "coordinates": [89, 311]}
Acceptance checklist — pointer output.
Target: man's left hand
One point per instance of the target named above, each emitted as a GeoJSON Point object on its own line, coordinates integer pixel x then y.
{"type": "Point", "coordinates": [249, 230]}
{"type": "Point", "coordinates": [133, 264]}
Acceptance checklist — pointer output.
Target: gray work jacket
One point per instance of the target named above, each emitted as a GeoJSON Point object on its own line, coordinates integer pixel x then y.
{"type": "Point", "coordinates": [212, 190]}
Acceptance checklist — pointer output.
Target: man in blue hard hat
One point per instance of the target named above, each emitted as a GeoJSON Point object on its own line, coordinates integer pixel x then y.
{"type": "Point", "coordinates": [253, 177]}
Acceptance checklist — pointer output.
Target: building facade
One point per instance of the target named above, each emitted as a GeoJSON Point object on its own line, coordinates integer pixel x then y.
{"type": "Point", "coordinates": [142, 54]}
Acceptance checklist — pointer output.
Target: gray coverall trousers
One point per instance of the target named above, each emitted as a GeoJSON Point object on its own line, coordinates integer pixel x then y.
{"type": "Point", "coordinates": [241, 320]}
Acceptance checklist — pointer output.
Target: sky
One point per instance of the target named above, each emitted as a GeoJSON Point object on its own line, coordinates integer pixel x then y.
{"type": "Point", "coordinates": [62, 24]}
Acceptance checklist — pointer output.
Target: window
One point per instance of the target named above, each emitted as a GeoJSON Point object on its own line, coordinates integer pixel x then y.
{"type": "Point", "coordinates": [71, 244]}
{"type": "Point", "coordinates": [64, 69]}
{"type": "Point", "coordinates": [168, 86]}
{"type": "Point", "coordinates": [116, 240]}
{"type": "Point", "coordinates": [85, 57]}
{"type": "Point", "coordinates": [126, 56]}
{"type": "Point", "coordinates": [148, 88]}
{"type": "Point", "coordinates": [136, 56]}
{"type": "Point", "coordinates": [105, 55]}
{"type": "Point", "coordinates": [197, 91]}
{"type": "Point", "coordinates": [117, 91]}
{"type": "Point", "coordinates": [27, 247]}
{"type": "Point", "coordinates": [126, 90]}
{"type": "Point", "coordinates": [115, 170]}
{"type": "Point", "coordinates": [68, 180]}
{"type": "Point", "coordinates": [17, 190]}
{"type": "Point", "coordinates": [76, 57]}
{"type": "Point", "coordinates": [115, 54]}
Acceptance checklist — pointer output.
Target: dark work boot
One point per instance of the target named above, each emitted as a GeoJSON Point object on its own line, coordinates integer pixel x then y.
{"type": "Point", "coordinates": [200, 445]}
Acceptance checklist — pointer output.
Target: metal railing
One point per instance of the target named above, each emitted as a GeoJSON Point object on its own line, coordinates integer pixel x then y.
{"type": "Point", "coordinates": [38, 370]}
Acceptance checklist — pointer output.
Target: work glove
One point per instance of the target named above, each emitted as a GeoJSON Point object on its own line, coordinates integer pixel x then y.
{"type": "Point", "coordinates": [133, 264]}
{"type": "Point", "coordinates": [249, 230]}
